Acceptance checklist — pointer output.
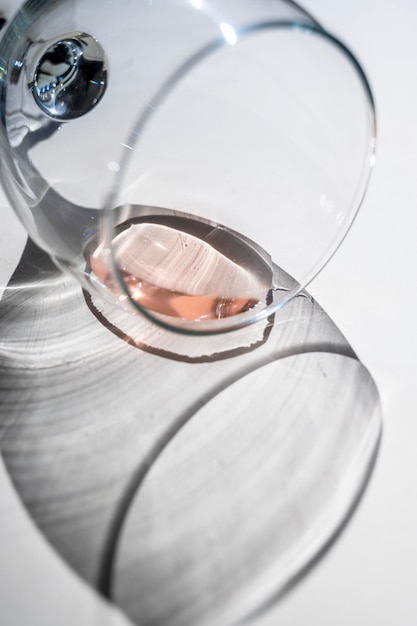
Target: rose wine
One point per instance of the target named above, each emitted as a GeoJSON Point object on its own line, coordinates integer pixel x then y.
{"type": "Point", "coordinates": [185, 268]}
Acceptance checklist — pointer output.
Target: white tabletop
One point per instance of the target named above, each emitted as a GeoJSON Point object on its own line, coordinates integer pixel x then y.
{"type": "Point", "coordinates": [369, 575]}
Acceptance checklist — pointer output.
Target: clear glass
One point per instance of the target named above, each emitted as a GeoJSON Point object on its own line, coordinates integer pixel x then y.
{"type": "Point", "coordinates": [199, 162]}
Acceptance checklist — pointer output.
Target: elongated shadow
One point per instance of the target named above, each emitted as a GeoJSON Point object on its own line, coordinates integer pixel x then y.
{"type": "Point", "coordinates": [302, 327]}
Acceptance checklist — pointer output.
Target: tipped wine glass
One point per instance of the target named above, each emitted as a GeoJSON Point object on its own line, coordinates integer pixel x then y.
{"type": "Point", "coordinates": [196, 163]}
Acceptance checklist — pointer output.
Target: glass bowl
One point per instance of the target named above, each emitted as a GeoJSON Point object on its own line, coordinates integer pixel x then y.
{"type": "Point", "coordinates": [194, 161]}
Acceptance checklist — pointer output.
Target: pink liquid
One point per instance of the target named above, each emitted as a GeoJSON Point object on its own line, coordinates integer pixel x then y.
{"type": "Point", "coordinates": [184, 268]}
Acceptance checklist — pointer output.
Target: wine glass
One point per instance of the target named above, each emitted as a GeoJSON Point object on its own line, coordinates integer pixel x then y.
{"type": "Point", "coordinates": [197, 161]}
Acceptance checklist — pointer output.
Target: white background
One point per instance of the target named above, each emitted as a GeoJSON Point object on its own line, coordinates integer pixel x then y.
{"type": "Point", "coordinates": [369, 289]}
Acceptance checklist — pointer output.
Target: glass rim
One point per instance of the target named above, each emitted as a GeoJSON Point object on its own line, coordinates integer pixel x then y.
{"type": "Point", "coordinates": [217, 326]}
